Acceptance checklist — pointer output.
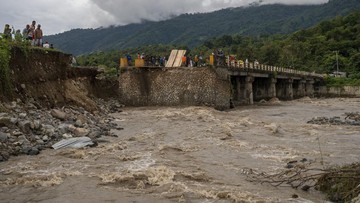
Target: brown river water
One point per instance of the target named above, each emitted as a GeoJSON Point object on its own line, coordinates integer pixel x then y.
{"type": "Point", "coordinates": [190, 154]}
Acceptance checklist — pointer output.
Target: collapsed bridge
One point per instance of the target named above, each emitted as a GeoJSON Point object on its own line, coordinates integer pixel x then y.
{"type": "Point", "coordinates": [211, 85]}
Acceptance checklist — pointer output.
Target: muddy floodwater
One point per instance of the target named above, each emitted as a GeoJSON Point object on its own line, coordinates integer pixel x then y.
{"type": "Point", "coordinates": [190, 154]}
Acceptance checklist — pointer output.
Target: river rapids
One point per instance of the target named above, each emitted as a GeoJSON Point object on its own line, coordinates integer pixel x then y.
{"type": "Point", "coordinates": [190, 154]}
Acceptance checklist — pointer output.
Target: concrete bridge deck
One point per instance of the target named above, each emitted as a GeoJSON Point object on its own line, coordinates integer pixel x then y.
{"type": "Point", "coordinates": [269, 71]}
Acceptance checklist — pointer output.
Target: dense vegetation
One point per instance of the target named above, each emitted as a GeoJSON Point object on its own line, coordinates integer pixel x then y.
{"type": "Point", "coordinates": [5, 81]}
{"type": "Point", "coordinates": [193, 29]}
{"type": "Point", "coordinates": [313, 49]}
{"type": "Point", "coordinates": [340, 81]}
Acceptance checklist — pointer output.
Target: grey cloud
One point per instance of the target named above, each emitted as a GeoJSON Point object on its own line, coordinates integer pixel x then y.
{"type": "Point", "coordinates": [295, 2]}
{"type": "Point", "coordinates": [60, 15]}
{"type": "Point", "coordinates": [55, 16]}
{"type": "Point", "coordinates": [125, 11]}
{"type": "Point", "coordinates": [136, 10]}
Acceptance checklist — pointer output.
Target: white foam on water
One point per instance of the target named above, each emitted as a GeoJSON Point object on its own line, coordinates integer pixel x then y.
{"type": "Point", "coordinates": [120, 120]}
{"type": "Point", "coordinates": [301, 200]}
{"type": "Point", "coordinates": [141, 164]}
{"type": "Point", "coordinates": [279, 155]}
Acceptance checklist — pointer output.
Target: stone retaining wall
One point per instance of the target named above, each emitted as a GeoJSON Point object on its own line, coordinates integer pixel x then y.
{"type": "Point", "coordinates": [346, 91]}
{"type": "Point", "coordinates": [174, 87]}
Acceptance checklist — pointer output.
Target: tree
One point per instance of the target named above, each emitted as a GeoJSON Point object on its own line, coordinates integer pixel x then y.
{"type": "Point", "coordinates": [270, 54]}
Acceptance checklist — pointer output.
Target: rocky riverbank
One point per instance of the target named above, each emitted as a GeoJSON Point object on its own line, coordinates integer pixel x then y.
{"type": "Point", "coordinates": [352, 118]}
{"type": "Point", "coordinates": [27, 128]}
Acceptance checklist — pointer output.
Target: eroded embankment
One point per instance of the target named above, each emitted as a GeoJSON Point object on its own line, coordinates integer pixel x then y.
{"type": "Point", "coordinates": [49, 100]}
{"type": "Point", "coordinates": [46, 76]}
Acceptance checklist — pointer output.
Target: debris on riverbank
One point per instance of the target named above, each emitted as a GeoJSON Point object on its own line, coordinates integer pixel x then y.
{"type": "Point", "coordinates": [27, 128]}
{"type": "Point", "coordinates": [341, 184]}
{"type": "Point", "coordinates": [352, 118]}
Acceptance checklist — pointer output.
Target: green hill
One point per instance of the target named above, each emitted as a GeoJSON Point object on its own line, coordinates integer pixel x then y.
{"type": "Point", "coordinates": [194, 29]}
{"type": "Point", "coordinates": [312, 49]}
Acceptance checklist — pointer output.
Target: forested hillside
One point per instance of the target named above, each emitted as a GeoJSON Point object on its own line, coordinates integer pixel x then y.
{"type": "Point", "coordinates": [194, 29]}
{"type": "Point", "coordinates": [312, 49]}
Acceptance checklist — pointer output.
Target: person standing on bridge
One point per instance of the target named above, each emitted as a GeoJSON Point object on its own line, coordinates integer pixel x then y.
{"type": "Point", "coordinates": [256, 63]}
{"type": "Point", "coordinates": [128, 57]}
{"type": "Point", "coordinates": [164, 60]}
{"type": "Point", "coordinates": [241, 63]}
{"type": "Point", "coordinates": [201, 61]}
{"type": "Point", "coordinates": [188, 61]}
{"type": "Point", "coordinates": [183, 61]}
{"type": "Point", "coordinates": [196, 60]}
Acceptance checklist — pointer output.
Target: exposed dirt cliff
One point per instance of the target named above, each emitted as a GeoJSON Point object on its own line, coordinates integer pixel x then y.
{"type": "Point", "coordinates": [47, 77]}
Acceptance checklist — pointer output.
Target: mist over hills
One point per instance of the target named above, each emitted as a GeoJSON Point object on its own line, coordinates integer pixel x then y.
{"type": "Point", "coordinates": [193, 29]}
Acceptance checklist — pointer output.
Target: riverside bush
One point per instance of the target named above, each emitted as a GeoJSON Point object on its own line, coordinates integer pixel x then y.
{"type": "Point", "coordinates": [5, 81]}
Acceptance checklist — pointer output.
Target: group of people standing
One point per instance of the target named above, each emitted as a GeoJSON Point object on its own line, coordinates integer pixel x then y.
{"type": "Point", "coordinates": [149, 60]}
{"type": "Point", "coordinates": [189, 61]}
{"type": "Point", "coordinates": [31, 32]}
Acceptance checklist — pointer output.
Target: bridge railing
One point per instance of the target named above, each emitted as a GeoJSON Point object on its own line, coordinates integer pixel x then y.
{"type": "Point", "coordinates": [275, 69]}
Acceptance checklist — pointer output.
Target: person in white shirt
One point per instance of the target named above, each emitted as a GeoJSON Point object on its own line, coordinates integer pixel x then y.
{"type": "Point", "coordinates": [46, 45]}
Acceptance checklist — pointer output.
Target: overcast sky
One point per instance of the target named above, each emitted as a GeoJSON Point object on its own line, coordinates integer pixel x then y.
{"type": "Point", "coordinates": [56, 16]}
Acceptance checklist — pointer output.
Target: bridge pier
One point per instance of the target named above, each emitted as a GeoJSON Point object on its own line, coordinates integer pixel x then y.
{"type": "Point", "coordinates": [284, 89]}
{"type": "Point", "coordinates": [310, 88]}
{"type": "Point", "coordinates": [238, 94]}
{"type": "Point", "coordinates": [249, 94]}
{"type": "Point", "coordinates": [243, 92]}
{"type": "Point", "coordinates": [272, 88]}
{"type": "Point", "coordinates": [289, 89]}
{"type": "Point", "coordinates": [299, 88]}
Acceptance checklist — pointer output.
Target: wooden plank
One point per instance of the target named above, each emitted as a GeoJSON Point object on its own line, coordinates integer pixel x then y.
{"type": "Point", "coordinates": [178, 59]}
{"type": "Point", "coordinates": [172, 58]}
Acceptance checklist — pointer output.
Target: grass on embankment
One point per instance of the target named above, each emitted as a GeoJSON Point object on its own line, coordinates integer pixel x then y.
{"type": "Point", "coordinates": [341, 82]}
